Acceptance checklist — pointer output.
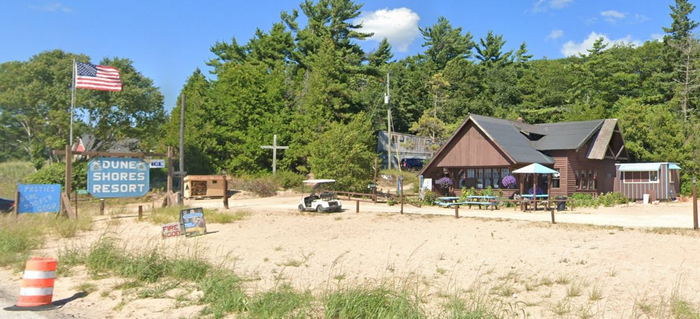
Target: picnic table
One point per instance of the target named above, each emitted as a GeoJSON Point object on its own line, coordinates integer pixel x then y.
{"type": "Point", "coordinates": [480, 200]}
{"type": "Point", "coordinates": [535, 198]}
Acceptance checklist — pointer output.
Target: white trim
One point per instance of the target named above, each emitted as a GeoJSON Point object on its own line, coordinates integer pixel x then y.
{"type": "Point", "coordinates": [624, 180]}
{"type": "Point", "coordinates": [28, 291]}
{"type": "Point", "coordinates": [37, 274]}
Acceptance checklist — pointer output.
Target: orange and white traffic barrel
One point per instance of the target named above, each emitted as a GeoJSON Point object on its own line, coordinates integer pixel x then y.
{"type": "Point", "coordinates": [37, 284]}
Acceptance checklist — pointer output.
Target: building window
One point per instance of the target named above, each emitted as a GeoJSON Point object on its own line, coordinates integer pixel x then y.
{"type": "Point", "coordinates": [556, 179]}
{"type": "Point", "coordinates": [480, 178]}
{"type": "Point", "coordinates": [653, 177]}
{"type": "Point", "coordinates": [586, 180]}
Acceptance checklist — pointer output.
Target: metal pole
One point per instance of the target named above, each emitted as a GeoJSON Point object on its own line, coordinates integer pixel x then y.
{"type": "Point", "coordinates": [695, 206]}
{"type": "Point", "coordinates": [72, 105]}
{"type": "Point", "coordinates": [69, 172]}
{"type": "Point", "coordinates": [182, 149]}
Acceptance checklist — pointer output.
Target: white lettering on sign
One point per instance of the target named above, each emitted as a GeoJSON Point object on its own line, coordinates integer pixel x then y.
{"type": "Point", "coordinates": [118, 177]}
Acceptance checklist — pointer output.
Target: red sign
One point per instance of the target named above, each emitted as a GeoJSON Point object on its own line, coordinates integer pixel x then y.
{"type": "Point", "coordinates": [171, 230]}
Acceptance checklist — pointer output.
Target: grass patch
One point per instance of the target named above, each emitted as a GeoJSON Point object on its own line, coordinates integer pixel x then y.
{"type": "Point", "coordinates": [12, 173]}
{"type": "Point", "coordinates": [363, 302]}
{"type": "Point", "coordinates": [223, 292]}
{"type": "Point", "coordinates": [283, 302]}
{"type": "Point", "coordinates": [172, 215]}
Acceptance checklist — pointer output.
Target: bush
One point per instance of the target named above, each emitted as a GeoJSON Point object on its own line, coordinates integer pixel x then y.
{"type": "Point", "coordinates": [612, 199]}
{"type": "Point", "coordinates": [55, 174]}
{"type": "Point", "coordinates": [429, 197]}
{"type": "Point", "coordinates": [583, 200]}
{"type": "Point", "coordinates": [288, 179]}
{"type": "Point", "coordinates": [263, 186]}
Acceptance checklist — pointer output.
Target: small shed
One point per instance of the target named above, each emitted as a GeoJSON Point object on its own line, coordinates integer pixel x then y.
{"type": "Point", "coordinates": [198, 186]}
{"type": "Point", "coordinates": [659, 180]}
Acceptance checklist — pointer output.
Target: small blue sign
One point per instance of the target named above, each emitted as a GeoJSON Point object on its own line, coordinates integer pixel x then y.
{"type": "Point", "coordinates": [118, 177]}
{"type": "Point", "coordinates": [39, 198]}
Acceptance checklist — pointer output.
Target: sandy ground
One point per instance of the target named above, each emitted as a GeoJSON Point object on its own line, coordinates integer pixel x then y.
{"type": "Point", "coordinates": [535, 269]}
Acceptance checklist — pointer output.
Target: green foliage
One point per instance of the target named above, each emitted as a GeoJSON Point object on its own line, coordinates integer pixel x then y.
{"type": "Point", "coordinates": [282, 302]}
{"type": "Point", "coordinates": [288, 179]}
{"type": "Point", "coordinates": [12, 173]}
{"type": "Point", "coordinates": [429, 197]}
{"type": "Point", "coordinates": [371, 303]}
{"type": "Point", "coordinates": [607, 199]}
{"type": "Point", "coordinates": [55, 174]}
{"type": "Point", "coordinates": [583, 200]}
{"type": "Point", "coordinates": [265, 186]}
{"type": "Point", "coordinates": [345, 153]}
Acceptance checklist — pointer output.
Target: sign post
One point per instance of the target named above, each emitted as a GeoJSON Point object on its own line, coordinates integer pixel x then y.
{"type": "Point", "coordinates": [118, 177]}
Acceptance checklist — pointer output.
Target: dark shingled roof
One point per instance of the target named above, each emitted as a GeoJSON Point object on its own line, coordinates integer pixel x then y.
{"type": "Point", "coordinates": [512, 136]}
{"type": "Point", "coordinates": [511, 141]}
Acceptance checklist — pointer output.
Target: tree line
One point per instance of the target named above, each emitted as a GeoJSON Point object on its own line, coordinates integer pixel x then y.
{"type": "Point", "coordinates": [323, 95]}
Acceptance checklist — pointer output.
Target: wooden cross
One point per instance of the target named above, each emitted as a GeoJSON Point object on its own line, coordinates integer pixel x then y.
{"type": "Point", "coordinates": [274, 148]}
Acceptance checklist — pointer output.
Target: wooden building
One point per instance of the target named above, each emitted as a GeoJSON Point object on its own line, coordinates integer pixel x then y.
{"type": "Point", "coordinates": [484, 150]}
{"type": "Point", "coordinates": [660, 181]}
{"type": "Point", "coordinates": [200, 186]}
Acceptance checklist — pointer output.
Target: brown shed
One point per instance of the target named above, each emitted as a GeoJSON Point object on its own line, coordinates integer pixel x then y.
{"type": "Point", "coordinates": [660, 181]}
{"type": "Point", "coordinates": [484, 149]}
{"type": "Point", "coordinates": [199, 186]}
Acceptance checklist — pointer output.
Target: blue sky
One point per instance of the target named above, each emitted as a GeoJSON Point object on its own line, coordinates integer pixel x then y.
{"type": "Point", "coordinates": [167, 40]}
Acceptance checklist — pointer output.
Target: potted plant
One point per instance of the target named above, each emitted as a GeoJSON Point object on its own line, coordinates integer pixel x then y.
{"type": "Point", "coordinates": [444, 184]}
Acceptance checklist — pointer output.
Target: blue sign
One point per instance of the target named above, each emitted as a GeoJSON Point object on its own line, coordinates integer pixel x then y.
{"type": "Point", "coordinates": [118, 177]}
{"type": "Point", "coordinates": [39, 198]}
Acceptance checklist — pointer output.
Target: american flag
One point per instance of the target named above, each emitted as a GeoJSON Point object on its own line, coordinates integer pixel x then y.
{"type": "Point", "coordinates": [97, 77]}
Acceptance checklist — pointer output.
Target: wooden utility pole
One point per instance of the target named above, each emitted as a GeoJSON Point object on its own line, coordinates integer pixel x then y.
{"type": "Point", "coordinates": [182, 150]}
{"type": "Point", "coordinates": [388, 123]}
{"type": "Point", "coordinates": [274, 147]}
{"type": "Point", "coordinates": [169, 181]}
{"type": "Point", "coordinates": [695, 205]}
{"type": "Point", "coordinates": [69, 171]}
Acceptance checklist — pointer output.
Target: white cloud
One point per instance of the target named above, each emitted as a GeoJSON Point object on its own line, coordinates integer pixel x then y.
{"type": "Point", "coordinates": [399, 26]}
{"type": "Point", "coordinates": [555, 34]}
{"type": "Point", "coordinates": [544, 5]}
{"type": "Point", "coordinates": [656, 37]}
{"type": "Point", "coordinates": [613, 15]}
{"type": "Point", "coordinates": [52, 7]}
{"type": "Point", "coordinates": [573, 48]}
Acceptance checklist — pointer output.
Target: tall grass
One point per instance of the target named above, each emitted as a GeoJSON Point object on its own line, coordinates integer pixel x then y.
{"type": "Point", "coordinates": [172, 214]}
{"type": "Point", "coordinates": [12, 173]}
{"type": "Point", "coordinates": [19, 235]}
{"type": "Point", "coordinates": [364, 302]}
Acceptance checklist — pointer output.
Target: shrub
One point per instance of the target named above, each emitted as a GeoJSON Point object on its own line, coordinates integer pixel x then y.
{"type": "Point", "coordinates": [262, 186]}
{"type": "Point", "coordinates": [583, 200]}
{"type": "Point", "coordinates": [612, 199]}
{"type": "Point", "coordinates": [55, 174]}
{"type": "Point", "coordinates": [429, 197]}
{"type": "Point", "coordinates": [288, 179]}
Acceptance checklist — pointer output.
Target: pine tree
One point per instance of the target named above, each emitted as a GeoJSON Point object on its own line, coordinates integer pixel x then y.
{"type": "Point", "coordinates": [446, 43]}
{"type": "Point", "coordinates": [490, 50]}
{"type": "Point", "coordinates": [382, 55]}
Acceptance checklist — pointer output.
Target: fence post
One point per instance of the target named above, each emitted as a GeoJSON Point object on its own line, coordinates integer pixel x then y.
{"type": "Point", "coordinates": [102, 206]}
{"type": "Point", "coordinates": [552, 212]}
{"type": "Point", "coordinates": [16, 209]}
{"type": "Point", "coordinates": [140, 212]}
{"type": "Point", "coordinates": [225, 192]}
{"type": "Point", "coordinates": [456, 211]}
{"type": "Point", "coordinates": [357, 206]}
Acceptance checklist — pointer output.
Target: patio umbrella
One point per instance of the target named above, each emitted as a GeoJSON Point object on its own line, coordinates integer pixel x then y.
{"type": "Point", "coordinates": [535, 169]}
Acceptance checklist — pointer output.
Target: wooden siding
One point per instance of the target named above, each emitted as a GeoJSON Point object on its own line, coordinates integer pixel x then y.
{"type": "Point", "coordinates": [666, 187]}
{"type": "Point", "coordinates": [570, 161]}
{"type": "Point", "coordinates": [472, 149]}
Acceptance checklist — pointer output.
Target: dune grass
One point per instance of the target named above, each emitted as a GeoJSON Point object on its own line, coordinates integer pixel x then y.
{"type": "Point", "coordinates": [19, 235]}
{"type": "Point", "coordinates": [12, 173]}
{"type": "Point", "coordinates": [172, 214]}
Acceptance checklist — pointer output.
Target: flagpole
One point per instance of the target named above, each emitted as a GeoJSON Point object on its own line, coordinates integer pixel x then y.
{"type": "Point", "coordinates": [72, 106]}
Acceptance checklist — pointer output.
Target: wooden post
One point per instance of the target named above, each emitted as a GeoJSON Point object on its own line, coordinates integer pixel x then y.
{"type": "Point", "coordinates": [549, 189]}
{"type": "Point", "coordinates": [140, 212]}
{"type": "Point", "coordinates": [169, 182]}
{"type": "Point", "coordinates": [225, 192]}
{"type": "Point", "coordinates": [534, 189]}
{"type": "Point", "coordinates": [102, 206]}
{"type": "Point", "coordinates": [69, 171]}
{"type": "Point", "coordinates": [357, 206]}
{"type": "Point", "coordinates": [552, 212]}
{"type": "Point", "coordinates": [75, 202]}
{"type": "Point", "coordinates": [456, 211]}
{"type": "Point", "coordinates": [16, 209]}
{"type": "Point", "coordinates": [522, 192]}
{"type": "Point", "coordinates": [695, 206]}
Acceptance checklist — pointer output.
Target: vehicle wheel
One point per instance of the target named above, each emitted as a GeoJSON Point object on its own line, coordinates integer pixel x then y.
{"type": "Point", "coordinates": [319, 209]}
{"type": "Point", "coordinates": [301, 207]}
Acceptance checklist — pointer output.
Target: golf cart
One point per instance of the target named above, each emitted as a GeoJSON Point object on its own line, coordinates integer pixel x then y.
{"type": "Point", "coordinates": [320, 200]}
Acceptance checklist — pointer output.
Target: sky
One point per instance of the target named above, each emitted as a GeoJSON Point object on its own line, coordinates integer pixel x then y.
{"type": "Point", "coordinates": [168, 40]}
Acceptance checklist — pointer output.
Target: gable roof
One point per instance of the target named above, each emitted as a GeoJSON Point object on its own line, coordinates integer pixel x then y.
{"type": "Point", "coordinates": [524, 143]}
{"type": "Point", "coordinates": [510, 140]}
